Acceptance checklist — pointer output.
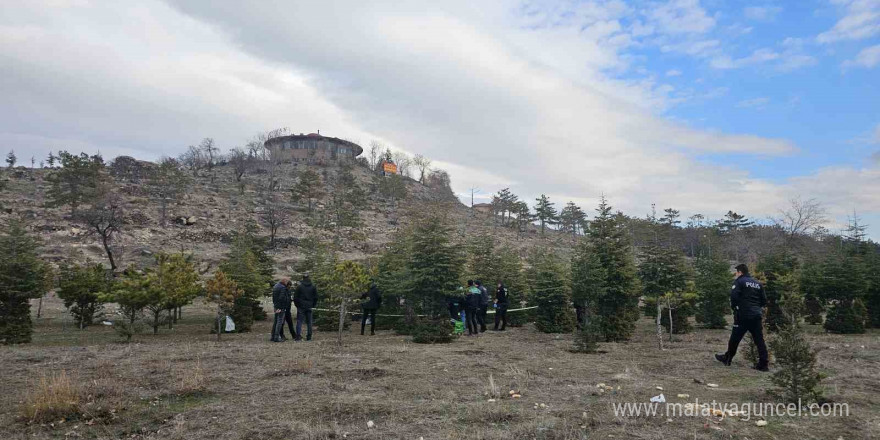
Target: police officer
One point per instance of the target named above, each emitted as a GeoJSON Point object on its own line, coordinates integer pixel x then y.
{"type": "Point", "coordinates": [484, 305]}
{"type": "Point", "coordinates": [471, 307]}
{"type": "Point", "coordinates": [501, 303]}
{"type": "Point", "coordinates": [747, 299]}
{"type": "Point", "coordinates": [374, 301]}
{"type": "Point", "coordinates": [281, 304]}
{"type": "Point", "coordinates": [305, 298]}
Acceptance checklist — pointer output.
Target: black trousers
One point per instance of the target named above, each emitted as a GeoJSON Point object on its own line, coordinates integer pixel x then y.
{"type": "Point", "coordinates": [481, 317]}
{"type": "Point", "coordinates": [753, 326]}
{"type": "Point", "coordinates": [278, 326]}
{"type": "Point", "coordinates": [372, 314]}
{"type": "Point", "coordinates": [501, 317]}
{"type": "Point", "coordinates": [304, 315]}
{"type": "Point", "coordinates": [470, 320]}
{"type": "Point", "coordinates": [288, 318]}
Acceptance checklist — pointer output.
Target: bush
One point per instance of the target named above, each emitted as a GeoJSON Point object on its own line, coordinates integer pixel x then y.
{"type": "Point", "coordinates": [796, 378]}
{"type": "Point", "coordinates": [814, 310]}
{"type": "Point", "coordinates": [81, 288]}
{"type": "Point", "coordinates": [53, 398]}
{"type": "Point", "coordinates": [846, 317]}
{"type": "Point", "coordinates": [437, 331]}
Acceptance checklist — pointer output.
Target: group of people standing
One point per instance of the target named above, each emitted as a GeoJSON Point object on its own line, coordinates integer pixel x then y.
{"type": "Point", "coordinates": [475, 306]}
{"type": "Point", "coordinates": [304, 297]}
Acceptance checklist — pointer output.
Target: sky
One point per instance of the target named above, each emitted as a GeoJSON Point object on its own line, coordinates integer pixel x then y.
{"type": "Point", "coordinates": [702, 106]}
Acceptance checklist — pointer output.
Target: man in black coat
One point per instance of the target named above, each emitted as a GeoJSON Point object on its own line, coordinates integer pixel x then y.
{"type": "Point", "coordinates": [501, 304]}
{"type": "Point", "coordinates": [305, 298]}
{"type": "Point", "coordinates": [484, 305]}
{"type": "Point", "coordinates": [281, 304]}
{"type": "Point", "coordinates": [747, 298]}
{"type": "Point", "coordinates": [471, 307]}
{"type": "Point", "coordinates": [374, 301]}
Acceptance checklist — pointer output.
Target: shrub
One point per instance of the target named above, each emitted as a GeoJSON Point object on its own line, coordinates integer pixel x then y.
{"type": "Point", "coordinates": [52, 398]}
{"type": "Point", "coordinates": [847, 316]}
{"type": "Point", "coordinates": [81, 288]}
{"type": "Point", "coordinates": [587, 337]}
{"type": "Point", "coordinates": [22, 276]}
{"type": "Point", "coordinates": [433, 332]}
{"type": "Point", "coordinates": [796, 378]}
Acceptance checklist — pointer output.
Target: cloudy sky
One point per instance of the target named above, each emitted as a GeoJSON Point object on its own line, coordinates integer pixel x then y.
{"type": "Point", "coordinates": [705, 106]}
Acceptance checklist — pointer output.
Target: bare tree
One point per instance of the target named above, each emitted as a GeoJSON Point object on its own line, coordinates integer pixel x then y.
{"type": "Point", "coordinates": [210, 154]}
{"type": "Point", "coordinates": [404, 163]}
{"type": "Point", "coordinates": [801, 216]}
{"type": "Point", "coordinates": [167, 184]}
{"type": "Point", "coordinates": [241, 161]}
{"type": "Point", "coordinates": [105, 218]}
{"type": "Point", "coordinates": [274, 216]}
{"type": "Point", "coordinates": [424, 166]}
{"type": "Point", "coordinates": [193, 160]}
{"type": "Point", "coordinates": [375, 155]}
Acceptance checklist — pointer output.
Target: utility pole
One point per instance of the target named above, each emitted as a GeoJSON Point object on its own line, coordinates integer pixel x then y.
{"type": "Point", "coordinates": [474, 190]}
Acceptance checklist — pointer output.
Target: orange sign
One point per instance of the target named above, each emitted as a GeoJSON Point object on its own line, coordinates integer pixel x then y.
{"type": "Point", "coordinates": [389, 167]}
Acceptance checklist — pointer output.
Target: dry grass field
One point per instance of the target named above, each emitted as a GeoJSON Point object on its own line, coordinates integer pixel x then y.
{"type": "Point", "coordinates": [182, 384]}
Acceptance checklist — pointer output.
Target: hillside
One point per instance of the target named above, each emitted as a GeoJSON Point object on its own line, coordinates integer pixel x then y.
{"type": "Point", "coordinates": [216, 210]}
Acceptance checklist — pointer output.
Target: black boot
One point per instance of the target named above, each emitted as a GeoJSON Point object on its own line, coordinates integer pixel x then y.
{"type": "Point", "coordinates": [761, 367]}
{"type": "Point", "coordinates": [722, 358]}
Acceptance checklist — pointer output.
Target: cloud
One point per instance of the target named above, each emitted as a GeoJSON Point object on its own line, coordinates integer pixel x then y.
{"type": "Point", "coordinates": [861, 19]}
{"type": "Point", "coordinates": [699, 48]}
{"type": "Point", "coordinates": [867, 58]}
{"type": "Point", "coordinates": [876, 138]}
{"type": "Point", "coordinates": [673, 72]}
{"type": "Point", "coordinates": [681, 17]}
{"type": "Point", "coordinates": [498, 95]}
{"type": "Point", "coordinates": [761, 13]}
{"type": "Point", "coordinates": [753, 103]}
{"type": "Point", "coordinates": [757, 57]}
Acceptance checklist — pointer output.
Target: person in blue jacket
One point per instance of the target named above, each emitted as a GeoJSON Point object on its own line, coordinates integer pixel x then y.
{"type": "Point", "coordinates": [747, 298]}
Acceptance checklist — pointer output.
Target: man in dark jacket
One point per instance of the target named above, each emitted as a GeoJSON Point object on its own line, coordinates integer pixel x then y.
{"type": "Point", "coordinates": [374, 301]}
{"type": "Point", "coordinates": [281, 304]}
{"type": "Point", "coordinates": [747, 299]}
{"type": "Point", "coordinates": [305, 298]}
{"type": "Point", "coordinates": [484, 305]}
{"type": "Point", "coordinates": [501, 304]}
{"type": "Point", "coordinates": [471, 306]}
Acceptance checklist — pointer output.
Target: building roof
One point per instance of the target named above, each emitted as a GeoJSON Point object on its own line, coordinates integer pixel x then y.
{"type": "Point", "coordinates": [357, 148]}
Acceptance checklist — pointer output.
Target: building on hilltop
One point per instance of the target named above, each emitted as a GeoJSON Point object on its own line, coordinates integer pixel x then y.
{"type": "Point", "coordinates": [312, 148]}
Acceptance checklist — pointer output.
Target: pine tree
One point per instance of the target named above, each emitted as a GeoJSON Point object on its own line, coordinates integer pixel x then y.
{"type": "Point", "coordinates": [843, 282]}
{"type": "Point", "coordinates": [248, 264]}
{"type": "Point", "coordinates": [664, 279]}
{"type": "Point", "coordinates": [434, 265]}
{"type": "Point", "coordinates": [713, 280]}
{"type": "Point", "coordinates": [224, 292]}
{"type": "Point", "coordinates": [133, 292]}
{"type": "Point", "coordinates": [588, 278]}
{"type": "Point", "coordinates": [309, 188]}
{"type": "Point", "coordinates": [733, 222]}
{"type": "Point", "coordinates": [545, 212]}
{"type": "Point", "coordinates": [619, 303]}
{"type": "Point", "coordinates": [772, 268]}
{"type": "Point", "coordinates": [177, 276]}
{"type": "Point", "coordinates": [814, 300]}
{"type": "Point", "coordinates": [796, 378]}
{"type": "Point", "coordinates": [572, 218]}
{"type": "Point", "coordinates": [22, 276]}
{"type": "Point", "coordinates": [872, 293]}
{"type": "Point", "coordinates": [551, 292]}
{"type": "Point", "coordinates": [82, 288]}
{"type": "Point", "coordinates": [11, 159]}
{"type": "Point", "coordinates": [78, 180]}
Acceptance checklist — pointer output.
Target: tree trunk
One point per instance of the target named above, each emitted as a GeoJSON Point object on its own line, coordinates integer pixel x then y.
{"type": "Point", "coordinates": [341, 322]}
{"type": "Point", "coordinates": [40, 306]}
{"type": "Point", "coordinates": [171, 313]}
{"type": "Point", "coordinates": [156, 322]}
{"type": "Point", "coordinates": [219, 329]}
{"type": "Point", "coordinates": [669, 305]}
{"type": "Point", "coordinates": [105, 241]}
{"type": "Point", "coordinates": [659, 325]}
